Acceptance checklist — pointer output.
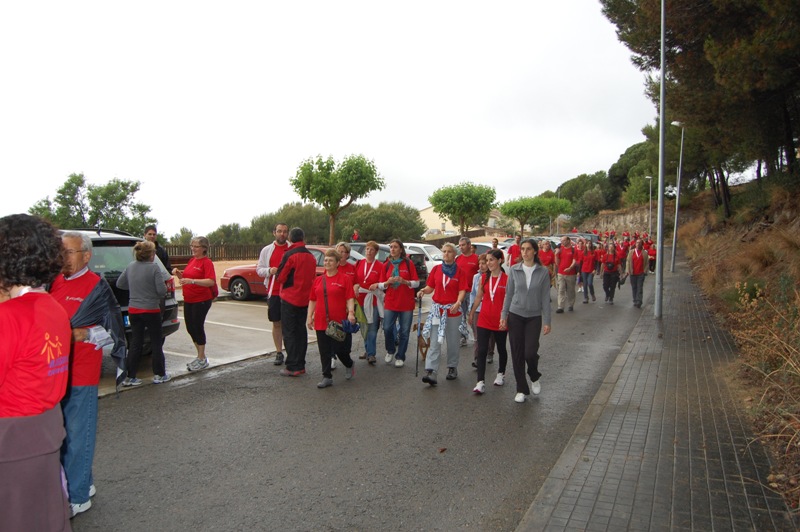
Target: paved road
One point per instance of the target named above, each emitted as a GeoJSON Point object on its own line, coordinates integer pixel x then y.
{"type": "Point", "coordinates": [240, 448]}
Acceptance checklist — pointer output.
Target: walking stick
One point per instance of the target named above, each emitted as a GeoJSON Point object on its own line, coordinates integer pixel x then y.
{"type": "Point", "coordinates": [419, 336]}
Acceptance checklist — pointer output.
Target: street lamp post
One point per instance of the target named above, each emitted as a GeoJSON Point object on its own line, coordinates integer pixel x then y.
{"type": "Point", "coordinates": [650, 214]}
{"type": "Point", "coordinates": [677, 200]}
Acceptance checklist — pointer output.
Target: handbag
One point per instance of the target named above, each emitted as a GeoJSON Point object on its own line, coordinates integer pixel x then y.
{"type": "Point", "coordinates": [334, 329]}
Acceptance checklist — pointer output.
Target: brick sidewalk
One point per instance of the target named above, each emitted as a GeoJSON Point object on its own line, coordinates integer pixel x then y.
{"type": "Point", "coordinates": [665, 444]}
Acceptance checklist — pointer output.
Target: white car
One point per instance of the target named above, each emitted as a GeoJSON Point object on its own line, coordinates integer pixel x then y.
{"type": "Point", "coordinates": [433, 255]}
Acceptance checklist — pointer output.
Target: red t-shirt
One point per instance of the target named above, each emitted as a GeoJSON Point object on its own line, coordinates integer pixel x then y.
{"type": "Point", "coordinates": [34, 354]}
{"type": "Point", "coordinates": [547, 257]}
{"type": "Point", "coordinates": [587, 262]}
{"type": "Point", "coordinates": [651, 252]}
{"type": "Point", "coordinates": [446, 289]}
{"type": "Point", "coordinates": [613, 259]}
{"type": "Point", "coordinates": [201, 268]}
{"type": "Point", "coordinates": [339, 289]}
{"type": "Point", "coordinates": [565, 257]}
{"type": "Point", "coordinates": [637, 261]}
{"type": "Point", "coordinates": [274, 262]}
{"type": "Point", "coordinates": [349, 270]}
{"type": "Point", "coordinates": [515, 254]}
{"type": "Point", "coordinates": [399, 298]}
{"type": "Point", "coordinates": [492, 303]}
{"type": "Point", "coordinates": [469, 265]}
{"type": "Point", "coordinates": [85, 361]}
{"type": "Point", "coordinates": [367, 274]}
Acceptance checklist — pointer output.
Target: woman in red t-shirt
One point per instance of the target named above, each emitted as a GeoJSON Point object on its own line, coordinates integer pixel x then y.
{"type": "Point", "coordinates": [398, 279]}
{"type": "Point", "coordinates": [587, 272]}
{"type": "Point", "coordinates": [35, 336]}
{"type": "Point", "coordinates": [490, 297]}
{"type": "Point", "coordinates": [548, 258]}
{"type": "Point", "coordinates": [611, 261]}
{"type": "Point", "coordinates": [368, 275]}
{"type": "Point", "coordinates": [332, 299]}
{"type": "Point", "coordinates": [199, 283]}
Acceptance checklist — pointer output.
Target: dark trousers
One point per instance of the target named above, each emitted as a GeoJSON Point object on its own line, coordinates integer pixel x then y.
{"type": "Point", "coordinates": [499, 337]}
{"type": "Point", "coordinates": [329, 347]}
{"type": "Point", "coordinates": [610, 280]}
{"type": "Point", "coordinates": [637, 287]}
{"type": "Point", "coordinates": [295, 338]}
{"type": "Point", "coordinates": [140, 322]}
{"type": "Point", "coordinates": [194, 314]}
{"type": "Point", "coordinates": [523, 336]}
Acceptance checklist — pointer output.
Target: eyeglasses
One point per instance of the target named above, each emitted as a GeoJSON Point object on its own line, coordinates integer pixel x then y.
{"type": "Point", "coordinates": [193, 247]}
{"type": "Point", "coordinates": [70, 252]}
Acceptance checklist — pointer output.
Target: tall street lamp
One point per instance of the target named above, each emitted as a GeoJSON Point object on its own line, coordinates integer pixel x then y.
{"type": "Point", "coordinates": [650, 215]}
{"type": "Point", "coordinates": [677, 200]}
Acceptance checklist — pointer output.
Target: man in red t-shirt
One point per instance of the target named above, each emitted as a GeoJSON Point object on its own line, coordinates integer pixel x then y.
{"type": "Point", "coordinates": [267, 267]}
{"type": "Point", "coordinates": [567, 264]}
{"type": "Point", "coordinates": [469, 263]}
{"type": "Point", "coordinates": [514, 253]}
{"type": "Point", "coordinates": [637, 268]}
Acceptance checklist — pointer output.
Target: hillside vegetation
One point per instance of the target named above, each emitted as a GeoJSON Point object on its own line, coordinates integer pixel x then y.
{"type": "Point", "coordinates": [749, 267]}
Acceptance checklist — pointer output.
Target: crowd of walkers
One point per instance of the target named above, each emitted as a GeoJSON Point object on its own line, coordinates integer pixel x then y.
{"type": "Point", "coordinates": [52, 342]}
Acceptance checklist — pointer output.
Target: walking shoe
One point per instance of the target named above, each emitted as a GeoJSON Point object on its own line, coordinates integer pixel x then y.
{"type": "Point", "coordinates": [388, 358]}
{"type": "Point", "coordinates": [197, 364]}
{"type": "Point", "coordinates": [560, 311]}
{"type": "Point", "coordinates": [325, 382]}
{"type": "Point", "coordinates": [350, 372]}
{"type": "Point", "coordinates": [463, 341]}
{"type": "Point", "coordinates": [161, 379]}
{"type": "Point", "coordinates": [399, 363]}
{"type": "Point", "coordinates": [92, 491]}
{"type": "Point", "coordinates": [131, 382]}
{"type": "Point", "coordinates": [570, 309]}
{"type": "Point", "coordinates": [371, 360]}
{"type": "Point", "coordinates": [479, 388]}
{"type": "Point", "coordinates": [519, 398]}
{"type": "Point", "coordinates": [474, 363]}
{"type": "Point", "coordinates": [585, 301]}
{"type": "Point", "coordinates": [333, 363]}
{"type": "Point", "coordinates": [362, 356]}
{"type": "Point", "coordinates": [536, 388]}
{"type": "Point", "coordinates": [594, 298]}
{"type": "Point", "coordinates": [610, 301]}
{"type": "Point", "coordinates": [452, 374]}
{"type": "Point", "coordinates": [606, 299]}
{"type": "Point", "coordinates": [490, 358]}
{"type": "Point", "coordinates": [278, 358]}
{"type": "Point", "coordinates": [75, 508]}
{"type": "Point", "coordinates": [500, 379]}
{"type": "Point", "coordinates": [430, 378]}
{"type": "Point", "coordinates": [289, 373]}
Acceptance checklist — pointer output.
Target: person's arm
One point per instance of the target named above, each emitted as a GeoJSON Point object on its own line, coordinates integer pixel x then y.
{"type": "Point", "coordinates": [312, 305]}
{"type": "Point", "coordinates": [122, 280]}
{"type": "Point", "coordinates": [476, 302]}
{"type": "Point", "coordinates": [456, 307]}
{"type": "Point", "coordinates": [262, 266]}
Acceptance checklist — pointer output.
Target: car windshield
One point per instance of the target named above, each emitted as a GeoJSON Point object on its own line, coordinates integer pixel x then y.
{"type": "Point", "coordinates": [434, 252]}
{"type": "Point", "coordinates": [111, 256]}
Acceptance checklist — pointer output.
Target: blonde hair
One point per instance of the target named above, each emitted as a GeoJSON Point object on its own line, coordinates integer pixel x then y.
{"type": "Point", "coordinates": [144, 251]}
{"type": "Point", "coordinates": [449, 245]}
{"type": "Point", "coordinates": [374, 245]}
{"type": "Point", "coordinates": [333, 253]}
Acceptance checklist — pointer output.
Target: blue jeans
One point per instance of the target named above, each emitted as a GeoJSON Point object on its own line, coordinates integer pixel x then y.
{"type": "Point", "coordinates": [370, 342]}
{"type": "Point", "coordinates": [588, 284]}
{"type": "Point", "coordinates": [77, 451]}
{"type": "Point", "coordinates": [389, 330]}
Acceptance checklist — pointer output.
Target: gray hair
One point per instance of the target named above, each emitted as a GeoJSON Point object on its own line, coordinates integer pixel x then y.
{"type": "Point", "coordinates": [464, 239]}
{"type": "Point", "coordinates": [449, 245]}
{"type": "Point", "coordinates": [86, 241]}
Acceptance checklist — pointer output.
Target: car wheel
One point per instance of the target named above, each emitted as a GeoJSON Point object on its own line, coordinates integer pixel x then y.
{"type": "Point", "coordinates": [239, 289]}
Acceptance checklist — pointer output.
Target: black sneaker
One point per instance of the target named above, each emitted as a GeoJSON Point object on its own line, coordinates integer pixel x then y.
{"type": "Point", "coordinates": [430, 378]}
{"type": "Point", "coordinates": [278, 358]}
{"type": "Point", "coordinates": [452, 374]}
{"type": "Point", "coordinates": [560, 311]}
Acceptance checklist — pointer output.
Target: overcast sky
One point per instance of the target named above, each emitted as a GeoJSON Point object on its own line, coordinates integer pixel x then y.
{"type": "Point", "coordinates": [212, 106]}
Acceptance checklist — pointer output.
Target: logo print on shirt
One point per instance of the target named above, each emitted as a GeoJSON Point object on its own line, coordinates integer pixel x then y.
{"type": "Point", "coordinates": [51, 348]}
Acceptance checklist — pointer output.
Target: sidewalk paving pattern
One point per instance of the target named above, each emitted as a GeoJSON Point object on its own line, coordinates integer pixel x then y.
{"type": "Point", "coordinates": [664, 445]}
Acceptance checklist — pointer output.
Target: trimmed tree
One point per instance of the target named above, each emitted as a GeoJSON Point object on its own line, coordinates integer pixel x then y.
{"type": "Point", "coordinates": [523, 210]}
{"type": "Point", "coordinates": [335, 187]}
{"type": "Point", "coordinates": [465, 204]}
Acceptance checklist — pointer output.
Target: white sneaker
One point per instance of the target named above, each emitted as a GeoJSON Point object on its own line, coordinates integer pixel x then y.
{"type": "Point", "coordinates": [333, 363]}
{"type": "Point", "coordinates": [536, 388]}
{"type": "Point", "coordinates": [388, 358]}
{"type": "Point", "coordinates": [500, 380]}
{"type": "Point", "coordinates": [399, 363]}
{"type": "Point", "coordinates": [519, 398]}
{"type": "Point", "coordinates": [479, 388]}
{"type": "Point", "coordinates": [75, 509]}
{"type": "Point", "coordinates": [92, 491]}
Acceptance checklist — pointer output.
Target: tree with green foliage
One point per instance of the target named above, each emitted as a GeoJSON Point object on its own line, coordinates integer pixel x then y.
{"type": "Point", "coordinates": [555, 207]}
{"type": "Point", "coordinates": [182, 238]}
{"type": "Point", "coordinates": [524, 210]}
{"type": "Point", "coordinates": [227, 234]}
{"type": "Point", "coordinates": [336, 186]}
{"type": "Point", "coordinates": [465, 205]}
{"type": "Point", "coordinates": [110, 206]}
{"type": "Point", "coordinates": [382, 223]}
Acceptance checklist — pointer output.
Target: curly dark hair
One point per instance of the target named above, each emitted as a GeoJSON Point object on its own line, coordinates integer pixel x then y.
{"type": "Point", "coordinates": [31, 253]}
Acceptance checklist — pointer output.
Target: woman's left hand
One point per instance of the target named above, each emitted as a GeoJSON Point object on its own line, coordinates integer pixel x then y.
{"type": "Point", "coordinates": [546, 329]}
{"type": "Point", "coordinates": [351, 317]}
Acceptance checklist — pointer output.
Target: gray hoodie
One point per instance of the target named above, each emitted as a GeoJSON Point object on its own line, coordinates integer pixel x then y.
{"type": "Point", "coordinates": [528, 301]}
{"type": "Point", "coordinates": [146, 284]}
